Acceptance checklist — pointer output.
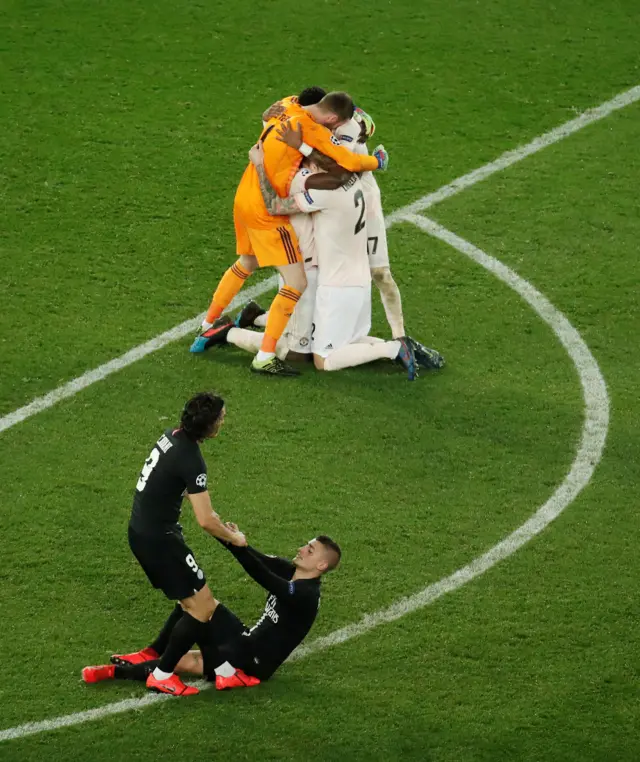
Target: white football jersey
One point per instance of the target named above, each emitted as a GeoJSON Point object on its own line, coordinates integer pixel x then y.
{"type": "Point", "coordinates": [340, 233]}
{"type": "Point", "coordinates": [348, 135]}
{"type": "Point", "coordinates": [302, 223]}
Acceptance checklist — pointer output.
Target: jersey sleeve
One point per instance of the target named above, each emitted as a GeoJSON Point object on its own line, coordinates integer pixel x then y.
{"type": "Point", "coordinates": [281, 566]}
{"type": "Point", "coordinates": [194, 473]}
{"type": "Point", "coordinates": [314, 200]}
{"type": "Point", "coordinates": [255, 567]}
{"type": "Point", "coordinates": [348, 133]}
{"type": "Point", "coordinates": [298, 182]}
{"type": "Point", "coordinates": [320, 137]}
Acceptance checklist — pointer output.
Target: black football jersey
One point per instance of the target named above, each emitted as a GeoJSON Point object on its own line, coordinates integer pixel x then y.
{"type": "Point", "coordinates": [174, 467]}
{"type": "Point", "coordinates": [289, 613]}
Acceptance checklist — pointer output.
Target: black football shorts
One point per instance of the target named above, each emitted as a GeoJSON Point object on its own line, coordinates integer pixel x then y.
{"type": "Point", "coordinates": [168, 562]}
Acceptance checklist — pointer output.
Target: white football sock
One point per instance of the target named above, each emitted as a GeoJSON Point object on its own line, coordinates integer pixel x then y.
{"type": "Point", "coordinates": [359, 354]}
{"type": "Point", "coordinates": [206, 325]}
{"type": "Point", "coordinates": [261, 320]}
{"type": "Point", "coordinates": [225, 670]}
{"type": "Point", "coordinates": [160, 675]}
{"type": "Point", "coordinates": [263, 356]}
{"type": "Point", "coordinates": [391, 300]}
{"type": "Point", "coordinates": [245, 339]}
{"type": "Point", "coordinates": [251, 341]}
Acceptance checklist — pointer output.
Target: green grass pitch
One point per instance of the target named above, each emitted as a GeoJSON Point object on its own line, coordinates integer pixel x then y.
{"type": "Point", "coordinates": [126, 126]}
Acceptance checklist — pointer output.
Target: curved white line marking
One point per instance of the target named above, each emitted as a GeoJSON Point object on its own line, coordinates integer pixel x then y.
{"type": "Point", "coordinates": [594, 433]}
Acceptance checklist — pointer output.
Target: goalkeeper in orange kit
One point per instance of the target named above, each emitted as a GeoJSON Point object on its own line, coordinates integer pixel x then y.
{"type": "Point", "coordinates": [263, 240]}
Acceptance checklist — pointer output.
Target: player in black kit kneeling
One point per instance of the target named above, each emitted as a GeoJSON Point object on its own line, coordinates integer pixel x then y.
{"type": "Point", "coordinates": [233, 655]}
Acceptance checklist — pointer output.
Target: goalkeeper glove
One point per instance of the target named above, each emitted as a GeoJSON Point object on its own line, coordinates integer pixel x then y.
{"type": "Point", "coordinates": [367, 124]}
{"type": "Point", "coordinates": [382, 156]}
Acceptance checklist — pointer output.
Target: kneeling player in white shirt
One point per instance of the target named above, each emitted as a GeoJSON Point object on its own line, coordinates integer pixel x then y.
{"type": "Point", "coordinates": [342, 315]}
{"type": "Point", "coordinates": [353, 135]}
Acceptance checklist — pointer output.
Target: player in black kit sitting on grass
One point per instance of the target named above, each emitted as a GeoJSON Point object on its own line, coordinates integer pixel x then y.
{"type": "Point", "coordinates": [232, 655]}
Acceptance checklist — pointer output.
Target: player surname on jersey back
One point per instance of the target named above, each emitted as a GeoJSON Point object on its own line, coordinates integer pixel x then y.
{"type": "Point", "coordinates": [350, 182]}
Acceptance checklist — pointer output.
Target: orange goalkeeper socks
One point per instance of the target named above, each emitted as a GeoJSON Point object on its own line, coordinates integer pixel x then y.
{"type": "Point", "coordinates": [232, 281]}
{"type": "Point", "coordinates": [279, 313]}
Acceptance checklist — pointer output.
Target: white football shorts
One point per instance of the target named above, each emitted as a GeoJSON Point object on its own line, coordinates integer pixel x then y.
{"type": "Point", "coordinates": [342, 316]}
{"type": "Point", "coordinates": [300, 325]}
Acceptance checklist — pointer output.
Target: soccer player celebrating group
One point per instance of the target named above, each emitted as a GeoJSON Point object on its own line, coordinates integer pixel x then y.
{"type": "Point", "coordinates": [309, 205]}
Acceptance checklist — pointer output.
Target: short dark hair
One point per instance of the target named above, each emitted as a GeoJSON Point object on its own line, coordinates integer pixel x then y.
{"type": "Point", "coordinates": [311, 95]}
{"type": "Point", "coordinates": [326, 163]}
{"type": "Point", "coordinates": [338, 103]}
{"type": "Point", "coordinates": [323, 539]}
{"type": "Point", "coordinates": [200, 414]}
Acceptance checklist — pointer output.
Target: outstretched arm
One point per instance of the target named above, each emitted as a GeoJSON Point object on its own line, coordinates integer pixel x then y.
{"type": "Point", "coordinates": [260, 573]}
{"type": "Point", "coordinates": [280, 566]}
{"type": "Point", "coordinates": [319, 137]}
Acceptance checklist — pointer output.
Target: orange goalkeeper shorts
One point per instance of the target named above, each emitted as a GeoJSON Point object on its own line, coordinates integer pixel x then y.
{"type": "Point", "coordinates": [272, 247]}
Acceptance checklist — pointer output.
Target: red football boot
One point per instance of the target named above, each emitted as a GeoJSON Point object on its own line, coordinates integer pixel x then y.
{"type": "Point", "coordinates": [172, 685]}
{"type": "Point", "coordinates": [138, 657]}
{"type": "Point", "coordinates": [98, 674]}
{"type": "Point", "coordinates": [238, 680]}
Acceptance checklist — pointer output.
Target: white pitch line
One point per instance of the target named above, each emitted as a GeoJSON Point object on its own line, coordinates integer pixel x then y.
{"type": "Point", "coordinates": [72, 387]}
{"type": "Point", "coordinates": [518, 154]}
{"type": "Point", "coordinates": [594, 430]}
{"type": "Point", "coordinates": [133, 355]}
{"type": "Point", "coordinates": [594, 433]}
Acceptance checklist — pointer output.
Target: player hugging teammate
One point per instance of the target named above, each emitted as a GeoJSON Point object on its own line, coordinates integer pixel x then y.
{"type": "Point", "coordinates": [308, 204]}
{"type": "Point", "coordinates": [311, 180]}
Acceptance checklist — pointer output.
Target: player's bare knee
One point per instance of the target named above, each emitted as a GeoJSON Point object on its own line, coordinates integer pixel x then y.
{"type": "Point", "coordinates": [298, 281]}
{"type": "Point", "coordinates": [294, 276]}
{"type": "Point", "coordinates": [200, 605]}
{"type": "Point", "coordinates": [318, 361]}
{"type": "Point", "coordinates": [248, 262]}
{"type": "Point", "coordinates": [190, 664]}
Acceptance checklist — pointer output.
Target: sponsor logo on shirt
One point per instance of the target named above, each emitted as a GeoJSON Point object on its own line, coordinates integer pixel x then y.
{"type": "Point", "coordinates": [269, 612]}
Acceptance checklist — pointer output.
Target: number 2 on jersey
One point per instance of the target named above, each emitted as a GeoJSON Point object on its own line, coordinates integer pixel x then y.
{"type": "Point", "coordinates": [358, 199]}
{"type": "Point", "coordinates": [149, 464]}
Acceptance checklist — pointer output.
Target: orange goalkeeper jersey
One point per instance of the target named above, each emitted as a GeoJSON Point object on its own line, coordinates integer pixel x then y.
{"type": "Point", "coordinates": [282, 162]}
